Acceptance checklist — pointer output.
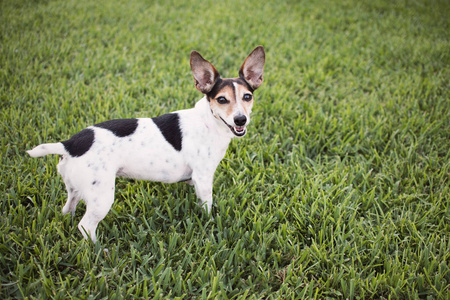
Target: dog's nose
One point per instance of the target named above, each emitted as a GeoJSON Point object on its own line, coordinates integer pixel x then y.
{"type": "Point", "coordinates": [240, 120]}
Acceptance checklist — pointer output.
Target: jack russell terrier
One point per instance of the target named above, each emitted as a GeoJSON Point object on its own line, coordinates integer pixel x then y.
{"type": "Point", "coordinates": [185, 145]}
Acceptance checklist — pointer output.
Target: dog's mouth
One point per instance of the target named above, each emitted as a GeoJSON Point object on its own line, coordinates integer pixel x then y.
{"type": "Point", "coordinates": [238, 131]}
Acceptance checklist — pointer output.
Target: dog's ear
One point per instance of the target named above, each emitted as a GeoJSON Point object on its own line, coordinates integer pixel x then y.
{"type": "Point", "coordinates": [205, 75]}
{"type": "Point", "coordinates": [253, 67]}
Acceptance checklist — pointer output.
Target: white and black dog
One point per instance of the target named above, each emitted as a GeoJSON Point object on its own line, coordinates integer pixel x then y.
{"type": "Point", "coordinates": [185, 145]}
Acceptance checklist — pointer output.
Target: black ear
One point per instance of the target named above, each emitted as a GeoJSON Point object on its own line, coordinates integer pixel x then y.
{"type": "Point", "coordinates": [253, 67]}
{"type": "Point", "coordinates": [205, 74]}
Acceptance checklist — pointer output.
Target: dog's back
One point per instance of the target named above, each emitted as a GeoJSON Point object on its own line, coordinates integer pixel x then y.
{"type": "Point", "coordinates": [179, 146]}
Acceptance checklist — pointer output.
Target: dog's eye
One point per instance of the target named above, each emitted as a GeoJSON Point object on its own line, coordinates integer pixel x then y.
{"type": "Point", "coordinates": [222, 100]}
{"type": "Point", "coordinates": [247, 97]}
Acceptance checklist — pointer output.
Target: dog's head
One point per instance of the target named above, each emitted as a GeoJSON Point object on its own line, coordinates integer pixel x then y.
{"type": "Point", "coordinates": [231, 99]}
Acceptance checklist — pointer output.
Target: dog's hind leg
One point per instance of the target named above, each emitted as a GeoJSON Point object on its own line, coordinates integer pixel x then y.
{"type": "Point", "coordinates": [98, 203]}
{"type": "Point", "coordinates": [73, 197]}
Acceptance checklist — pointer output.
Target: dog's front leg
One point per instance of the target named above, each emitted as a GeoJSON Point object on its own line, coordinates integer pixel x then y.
{"type": "Point", "coordinates": [203, 188]}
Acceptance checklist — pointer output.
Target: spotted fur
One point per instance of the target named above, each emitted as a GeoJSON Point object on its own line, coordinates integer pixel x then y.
{"type": "Point", "coordinates": [185, 145]}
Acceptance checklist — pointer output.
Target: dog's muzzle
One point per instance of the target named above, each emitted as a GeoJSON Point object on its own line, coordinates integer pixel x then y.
{"type": "Point", "coordinates": [239, 130]}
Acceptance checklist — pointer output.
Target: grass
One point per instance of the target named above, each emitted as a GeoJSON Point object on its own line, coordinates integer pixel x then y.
{"type": "Point", "coordinates": [339, 190]}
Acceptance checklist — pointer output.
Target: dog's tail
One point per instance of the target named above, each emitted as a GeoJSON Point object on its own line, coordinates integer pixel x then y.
{"type": "Point", "coordinates": [44, 149]}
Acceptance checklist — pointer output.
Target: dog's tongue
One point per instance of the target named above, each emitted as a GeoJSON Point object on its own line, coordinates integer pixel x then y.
{"type": "Point", "coordinates": [239, 129]}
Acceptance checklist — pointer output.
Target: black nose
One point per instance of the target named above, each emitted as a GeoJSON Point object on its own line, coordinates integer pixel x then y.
{"type": "Point", "coordinates": [240, 120]}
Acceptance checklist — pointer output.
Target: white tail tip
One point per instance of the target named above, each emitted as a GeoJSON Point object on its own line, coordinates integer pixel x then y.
{"type": "Point", "coordinates": [44, 149]}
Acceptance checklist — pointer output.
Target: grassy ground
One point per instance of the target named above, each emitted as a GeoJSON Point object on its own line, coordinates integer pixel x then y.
{"type": "Point", "coordinates": [339, 190]}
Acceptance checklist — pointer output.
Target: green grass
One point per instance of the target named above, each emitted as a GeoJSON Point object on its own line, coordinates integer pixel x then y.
{"type": "Point", "coordinates": [339, 190]}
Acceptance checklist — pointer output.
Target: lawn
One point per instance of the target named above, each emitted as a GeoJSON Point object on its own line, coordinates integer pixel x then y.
{"type": "Point", "coordinates": [339, 190]}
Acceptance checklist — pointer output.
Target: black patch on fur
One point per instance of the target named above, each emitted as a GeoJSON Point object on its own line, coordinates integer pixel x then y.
{"type": "Point", "coordinates": [221, 83]}
{"type": "Point", "coordinates": [242, 81]}
{"type": "Point", "coordinates": [120, 127]}
{"type": "Point", "coordinates": [80, 143]}
{"type": "Point", "coordinates": [169, 125]}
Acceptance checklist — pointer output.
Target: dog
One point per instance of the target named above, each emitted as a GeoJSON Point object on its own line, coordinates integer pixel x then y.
{"type": "Point", "coordinates": [185, 145]}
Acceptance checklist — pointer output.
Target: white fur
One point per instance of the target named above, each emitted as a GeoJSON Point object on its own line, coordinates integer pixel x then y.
{"type": "Point", "coordinates": [146, 154]}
